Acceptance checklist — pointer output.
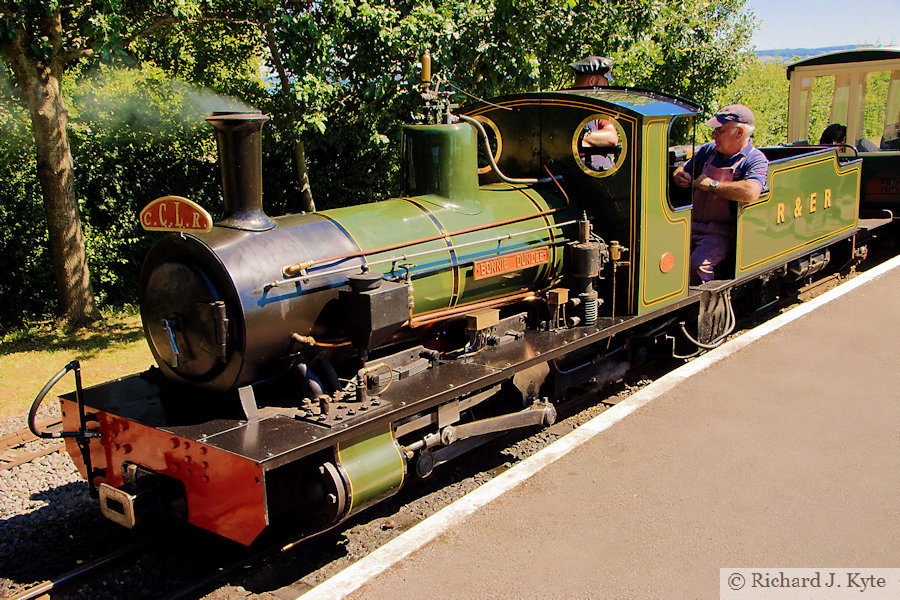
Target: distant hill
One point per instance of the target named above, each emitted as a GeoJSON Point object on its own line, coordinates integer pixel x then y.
{"type": "Point", "coordinates": [791, 54]}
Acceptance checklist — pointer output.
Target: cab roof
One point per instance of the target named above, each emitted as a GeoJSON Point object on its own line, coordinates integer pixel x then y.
{"type": "Point", "coordinates": [639, 101]}
{"type": "Point", "coordinates": [636, 101]}
{"type": "Point", "coordinates": [847, 57]}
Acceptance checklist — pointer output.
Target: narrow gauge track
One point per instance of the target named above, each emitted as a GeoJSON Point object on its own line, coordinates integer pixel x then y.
{"type": "Point", "coordinates": [209, 566]}
{"type": "Point", "coordinates": [44, 588]}
{"type": "Point", "coordinates": [15, 450]}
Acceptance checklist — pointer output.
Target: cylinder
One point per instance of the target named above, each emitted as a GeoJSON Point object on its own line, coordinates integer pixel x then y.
{"type": "Point", "coordinates": [374, 465]}
{"type": "Point", "coordinates": [585, 260]}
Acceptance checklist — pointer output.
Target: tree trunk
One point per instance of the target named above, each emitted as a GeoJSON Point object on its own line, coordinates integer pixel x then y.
{"type": "Point", "coordinates": [54, 167]}
{"type": "Point", "coordinates": [40, 88]}
{"type": "Point", "coordinates": [306, 198]}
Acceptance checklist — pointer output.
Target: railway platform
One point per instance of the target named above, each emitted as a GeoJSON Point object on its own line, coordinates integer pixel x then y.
{"type": "Point", "coordinates": [778, 450]}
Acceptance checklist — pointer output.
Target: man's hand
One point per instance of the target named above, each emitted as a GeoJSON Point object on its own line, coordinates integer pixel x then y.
{"type": "Point", "coordinates": [682, 178]}
{"type": "Point", "coordinates": [702, 183]}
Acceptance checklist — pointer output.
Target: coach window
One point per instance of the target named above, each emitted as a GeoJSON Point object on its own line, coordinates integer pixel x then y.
{"type": "Point", "coordinates": [873, 125]}
{"type": "Point", "coordinates": [599, 145]}
{"type": "Point", "coordinates": [682, 137]}
{"type": "Point", "coordinates": [890, 130]}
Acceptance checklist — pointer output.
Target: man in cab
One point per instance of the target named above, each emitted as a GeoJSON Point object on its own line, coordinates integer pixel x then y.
{"type": "Point", "coordinates": [730, 170]}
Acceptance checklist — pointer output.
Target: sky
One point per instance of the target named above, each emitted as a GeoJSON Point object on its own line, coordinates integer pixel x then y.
{"type": "Point", "coordinates": [819, 23]}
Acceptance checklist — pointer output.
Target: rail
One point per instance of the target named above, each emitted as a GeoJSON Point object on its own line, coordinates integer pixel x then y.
{"type": "Point", "coordinates": [13, 451]}
{"type": "Point", "coordinates": [44, 588]}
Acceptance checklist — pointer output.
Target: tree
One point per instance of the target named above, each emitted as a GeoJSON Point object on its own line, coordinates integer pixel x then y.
{"type": "Point", "coordinates": [41, 41]}
{"type": "Point", "coordinates": [764, 88]}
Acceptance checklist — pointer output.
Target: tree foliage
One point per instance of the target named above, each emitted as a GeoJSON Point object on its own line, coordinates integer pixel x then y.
{"type": "Point", "coordinates": [133, 93]}
{"type": "Point", "coordinates": [764, 88]}
{"type": "Point", "coordinates": [352, 64]}
{"type": "Point", "coordinates": [44, 43]}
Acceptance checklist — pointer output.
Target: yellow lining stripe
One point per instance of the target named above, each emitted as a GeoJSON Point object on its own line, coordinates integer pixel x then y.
{"type": "Point", "coordinates": [454, 260]}
{"type": "Point", "coordinates": [841, 171]}
{"type": "Point", "coordinates": [337, 224]}
{"type": "Point", "coordinates": [547, 222]}
{"type": "Point", "coordinates": [797, 247]}
{"type": "Point", "coordinates": [665, 208]}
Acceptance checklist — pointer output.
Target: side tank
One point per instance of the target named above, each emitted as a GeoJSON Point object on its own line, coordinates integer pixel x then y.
{"type": "Point", "coordinates": [219, 309]}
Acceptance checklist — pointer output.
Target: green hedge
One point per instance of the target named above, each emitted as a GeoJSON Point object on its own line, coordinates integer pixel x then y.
{"type": "Point", "coordinates": [136, 135]}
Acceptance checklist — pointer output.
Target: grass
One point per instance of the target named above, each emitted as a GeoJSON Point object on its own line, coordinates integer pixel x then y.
{"type": "Point", "coordinates": [30, 356]}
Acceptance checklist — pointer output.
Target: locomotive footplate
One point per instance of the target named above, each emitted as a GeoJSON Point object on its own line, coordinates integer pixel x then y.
{"type": "Point", "coordinates": [277, 437]}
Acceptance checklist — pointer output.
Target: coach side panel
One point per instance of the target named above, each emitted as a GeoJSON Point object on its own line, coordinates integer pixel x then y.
{"type": "Point", "coordinates": [812, 199]}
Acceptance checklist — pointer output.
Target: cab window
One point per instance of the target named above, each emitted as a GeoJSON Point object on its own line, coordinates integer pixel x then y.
{"type": "Point", "coordinates": [682, 141]}
{"type": "Point", "coordinates": [599, 145]}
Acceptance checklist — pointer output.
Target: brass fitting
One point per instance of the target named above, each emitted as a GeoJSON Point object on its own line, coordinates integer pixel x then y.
{"type": "Point", "coordinates": [297, 268]}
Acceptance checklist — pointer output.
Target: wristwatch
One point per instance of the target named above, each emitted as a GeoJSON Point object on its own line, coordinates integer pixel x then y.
{"type": "Point", "coordinates": [713, 185]}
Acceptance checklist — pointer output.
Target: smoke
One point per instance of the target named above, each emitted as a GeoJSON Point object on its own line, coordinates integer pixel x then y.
{"type": "Point", "coordinates": [14, 118]}
{"type": "Point", "coordinates": [144, 100]}
{"type": "Point", "coordinates": [202, 102]}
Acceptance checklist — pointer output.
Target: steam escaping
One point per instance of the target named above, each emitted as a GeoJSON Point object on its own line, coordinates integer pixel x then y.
{"type": "Point", "coordinates": [201, 102]}
{"type": "Point", "coordinates": [146, 101]}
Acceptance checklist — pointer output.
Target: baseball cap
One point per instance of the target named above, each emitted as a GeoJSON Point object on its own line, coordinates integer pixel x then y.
{"type": "Point", "coordinates": [733, 113]}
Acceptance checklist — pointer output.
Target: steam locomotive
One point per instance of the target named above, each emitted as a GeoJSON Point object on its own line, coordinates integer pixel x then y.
{"type": "Point", "coordinates": [308, 363]}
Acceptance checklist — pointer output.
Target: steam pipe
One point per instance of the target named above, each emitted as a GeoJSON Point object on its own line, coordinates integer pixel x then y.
{"type": "Point", "coordinates": [490, 155]}
{"type": "Point", "coordinates": [402, 257]}
{"type": "Point", "coordinates": [292, 270]}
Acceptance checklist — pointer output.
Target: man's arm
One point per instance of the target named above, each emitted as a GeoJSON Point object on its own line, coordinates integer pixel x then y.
{"type": "Point", "coordinates": [605, 136]}
{"type": "Point", "coordinates": [747, 190]}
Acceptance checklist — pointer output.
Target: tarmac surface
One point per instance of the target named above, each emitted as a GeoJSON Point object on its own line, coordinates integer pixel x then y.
{"type": "Point", "coordinates": [779, 452]}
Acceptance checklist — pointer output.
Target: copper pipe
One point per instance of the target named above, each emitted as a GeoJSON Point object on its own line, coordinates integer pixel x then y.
{"type": "Point", "coordinates": [562, 191]}
{"type": "Point", "coordinates": [452, 312]}
{"type": "Point", "coordinates": [308, 340]}
{"type": "Point", "coordinates": [305, 276]}
{"type": "Point", "coordinates": [433, 238]}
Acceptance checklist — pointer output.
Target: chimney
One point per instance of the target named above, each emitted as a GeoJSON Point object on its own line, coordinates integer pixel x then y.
{"type": "Point", "coordinates": [239, 138]}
